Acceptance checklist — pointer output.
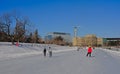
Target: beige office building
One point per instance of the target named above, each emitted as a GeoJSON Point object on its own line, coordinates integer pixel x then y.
{"type": "Point", "coordinates": [100, 42]}
{"type": "Point", "coordinates": [88, 40]}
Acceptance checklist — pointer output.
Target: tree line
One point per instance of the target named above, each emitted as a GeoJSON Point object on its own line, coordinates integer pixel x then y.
{"type": "Point", "coordinates": [15, 28]}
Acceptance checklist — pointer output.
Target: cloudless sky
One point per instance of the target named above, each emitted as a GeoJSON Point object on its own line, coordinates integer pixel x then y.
{"type": "Point", "coordinates": [100, 17]}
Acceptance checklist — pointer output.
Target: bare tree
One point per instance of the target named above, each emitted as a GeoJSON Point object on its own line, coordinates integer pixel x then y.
{"type": "Point", "coordinates": [15, 26]}
{"type": "Point", "coordinates": [35, 36]}
{"type": "Point", "coordinates": [5, 23]}
{"type": "Point", "coordinates": [6, 20]}
{"type": "Point", "coordinates": [58, 40]}
{"type": "Point", "coordinates": [29, 38]}
{"type": "Point", "coordinates": [20, 29]}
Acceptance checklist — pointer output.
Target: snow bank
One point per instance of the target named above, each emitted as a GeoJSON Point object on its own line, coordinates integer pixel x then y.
{"type": "Point", "coordinates": [7, 50]}
{"type": "Point", "coordinates": [117, 53]}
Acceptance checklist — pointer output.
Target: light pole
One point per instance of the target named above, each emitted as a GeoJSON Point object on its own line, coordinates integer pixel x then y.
{"type": "Point", "coordinates": [75, 31]}
{"type": "Point", "coordinates": [75, 34]}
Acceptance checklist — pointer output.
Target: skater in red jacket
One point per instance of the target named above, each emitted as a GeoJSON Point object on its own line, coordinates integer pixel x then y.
{"type": "Point", "coordinates": [89, 51]}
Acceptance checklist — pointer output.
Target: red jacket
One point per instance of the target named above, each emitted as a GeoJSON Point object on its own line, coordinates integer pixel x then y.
{"type": "Point", "coordinates": [89, 49]}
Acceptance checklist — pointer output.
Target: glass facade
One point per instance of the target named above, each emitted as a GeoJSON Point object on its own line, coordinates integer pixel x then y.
{"type": "Point", "coordinates": [65, 36]}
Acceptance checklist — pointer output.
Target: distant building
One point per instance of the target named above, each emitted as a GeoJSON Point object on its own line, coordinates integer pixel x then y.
{"type": "Point", "coordinates": [92, 40]}
{"type": "Point", "coordinates": [66, 36]}
{"type": "Point", "coordinates": [88, 40]}
{"type": "Point", "coordinates": [111, 41]}
{"type": "Point", "coordinates": [78, 41]}
{"type": "Point", "coordinates": [100, 42]}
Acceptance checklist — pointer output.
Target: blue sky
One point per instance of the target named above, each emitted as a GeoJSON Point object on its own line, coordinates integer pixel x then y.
{"type": "Point", "coordinates": [100, 17]}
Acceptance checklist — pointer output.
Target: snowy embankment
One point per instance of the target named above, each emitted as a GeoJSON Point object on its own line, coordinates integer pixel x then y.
{"type": "Point", "coordinates": [7, 50]}
{"type": "Point", "coordinates": [114, 51]}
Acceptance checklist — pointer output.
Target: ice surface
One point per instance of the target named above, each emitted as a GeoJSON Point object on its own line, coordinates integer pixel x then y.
{"type": "Point", "coordinates": [28, 59]}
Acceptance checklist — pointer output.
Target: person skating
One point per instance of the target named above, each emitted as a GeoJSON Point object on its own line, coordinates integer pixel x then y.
{"type": "Point", "coordinates": [50, 52]}
{"type": "Point", "coordinates": [44, 51]}
{"type": "Point", "coordinates": [89, 51]}
{"type": "Point", "coordinates": [78, 48]}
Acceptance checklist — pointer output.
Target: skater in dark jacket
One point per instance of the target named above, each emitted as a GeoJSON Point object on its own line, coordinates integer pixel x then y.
{"type": "Point", "coordinates": [89, 51]}
{"type": "Point", "coordinates": [44, 51]}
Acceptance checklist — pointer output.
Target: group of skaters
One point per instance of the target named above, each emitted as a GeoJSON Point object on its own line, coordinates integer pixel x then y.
{"type": "Point", "coordinates": [49, 51]}
{"type": "Point", "coordinates": [89, 51]}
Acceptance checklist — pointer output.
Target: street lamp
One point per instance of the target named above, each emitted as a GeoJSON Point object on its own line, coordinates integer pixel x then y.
{"type": "Point", "coordinates": [75, 33]}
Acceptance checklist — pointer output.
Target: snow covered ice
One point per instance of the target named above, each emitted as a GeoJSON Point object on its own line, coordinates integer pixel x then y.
{"type": "Point", "coordinates": [28, 59]}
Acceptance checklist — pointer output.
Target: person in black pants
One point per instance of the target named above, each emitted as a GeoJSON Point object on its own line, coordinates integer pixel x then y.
{"type": "Point", "coordinates": [89, 51]}
{"type": "Point", "coordinates": [44, 51]}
